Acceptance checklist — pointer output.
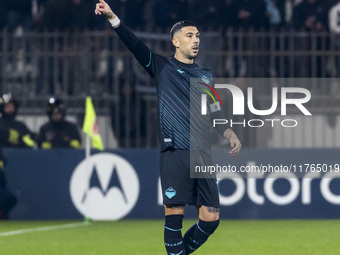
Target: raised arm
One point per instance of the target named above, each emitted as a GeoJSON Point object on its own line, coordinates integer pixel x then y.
{"type": "Point", "coordinates": [142, 53]}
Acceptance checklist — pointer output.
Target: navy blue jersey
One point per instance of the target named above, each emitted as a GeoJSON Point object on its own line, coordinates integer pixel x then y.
{"type": "Point", "coordinates": [181, 124]}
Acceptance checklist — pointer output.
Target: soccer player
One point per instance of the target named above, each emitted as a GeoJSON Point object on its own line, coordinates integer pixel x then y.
{"type": "Point", "coordinates": [179, 144]}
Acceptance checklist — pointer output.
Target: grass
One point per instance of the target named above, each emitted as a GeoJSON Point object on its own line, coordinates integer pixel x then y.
{"type": "Point", "coordinates": [146, 237]}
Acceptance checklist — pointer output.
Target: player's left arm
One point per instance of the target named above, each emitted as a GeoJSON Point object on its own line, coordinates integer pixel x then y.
{"type": "Point", "coordinates": [151, 62]}
{"type": "Point", "coordinates": [224, 129]}
{"type": "Point", "coordinates": [226, 132]}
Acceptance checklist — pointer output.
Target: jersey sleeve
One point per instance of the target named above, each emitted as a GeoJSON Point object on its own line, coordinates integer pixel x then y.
{"type": "Point", "coordinates": [151, 62]}
{"type": "Point", "coordinates": [220, 128]}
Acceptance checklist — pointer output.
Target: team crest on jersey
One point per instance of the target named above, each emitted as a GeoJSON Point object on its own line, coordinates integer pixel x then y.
{"type": "Point", "coordinates": [205, 79]}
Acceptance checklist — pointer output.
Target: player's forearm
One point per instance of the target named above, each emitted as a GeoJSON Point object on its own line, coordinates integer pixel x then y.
{"type": "Point", "coordinates": [219, 128]}
{"type": "Point", "coordinates": [135, 45]}
{"type": "Point", "coordinates": [130, 39]}
{"type": "Point", "coordinates": [229, 133]}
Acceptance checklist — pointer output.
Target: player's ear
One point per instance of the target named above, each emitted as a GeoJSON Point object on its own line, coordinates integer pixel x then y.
{"type": "Point", "coordinates": [175, 42]}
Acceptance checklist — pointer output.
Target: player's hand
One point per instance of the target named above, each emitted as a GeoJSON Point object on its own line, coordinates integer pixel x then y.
{"type": "Point", "coordinates": [235, 144]}
{"type": "Point", "coordinates": [102, 8]}
{"type": "Point", "coordinates": [234, 141]}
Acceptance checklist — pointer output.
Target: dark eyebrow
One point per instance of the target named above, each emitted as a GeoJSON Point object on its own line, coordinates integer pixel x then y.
{"type": "Point", "coordinates": [191, 33]}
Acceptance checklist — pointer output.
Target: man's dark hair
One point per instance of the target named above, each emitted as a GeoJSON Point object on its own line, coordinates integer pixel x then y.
{"type": "Point", "coordinates": [179, 25]}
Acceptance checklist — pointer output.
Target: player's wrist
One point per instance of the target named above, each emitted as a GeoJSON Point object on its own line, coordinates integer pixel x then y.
{"type": "Point", "coordinates": [114, 21]}
{"type": "Point", "coordinates": [228, 133]}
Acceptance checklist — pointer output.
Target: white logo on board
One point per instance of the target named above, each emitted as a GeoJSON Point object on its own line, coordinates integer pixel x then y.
{"type": "Point", "coordinates": [104, 187]}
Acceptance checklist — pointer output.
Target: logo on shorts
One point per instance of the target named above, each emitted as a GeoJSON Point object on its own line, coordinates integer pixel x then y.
{"type": "Point", "coordinates": [170, 193]}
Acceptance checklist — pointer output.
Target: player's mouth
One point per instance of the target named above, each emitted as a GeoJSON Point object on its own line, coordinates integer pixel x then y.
{"type": "Point", "coordinates": [195, 49]}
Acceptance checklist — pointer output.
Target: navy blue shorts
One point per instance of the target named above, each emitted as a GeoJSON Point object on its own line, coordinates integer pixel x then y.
{"type": "Point", "coordinates": [178, 187]}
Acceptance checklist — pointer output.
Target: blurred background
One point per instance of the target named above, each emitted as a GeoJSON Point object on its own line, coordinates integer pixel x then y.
{"type": "Point", "coordinates": [59, 48]}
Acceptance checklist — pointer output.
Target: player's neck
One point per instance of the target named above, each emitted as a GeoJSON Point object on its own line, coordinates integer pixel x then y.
{"type": "Point", "coordinates": [183, 59]}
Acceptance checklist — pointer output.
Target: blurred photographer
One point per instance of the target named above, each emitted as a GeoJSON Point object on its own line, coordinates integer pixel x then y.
{"type": "Point", "coordinates": [19, 134]}
{"type": "Point", "coordinates": [58, 132]}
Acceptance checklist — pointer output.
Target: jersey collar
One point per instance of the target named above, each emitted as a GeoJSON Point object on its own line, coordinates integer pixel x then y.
{"type": "Point", "coordinates": [181, 63]}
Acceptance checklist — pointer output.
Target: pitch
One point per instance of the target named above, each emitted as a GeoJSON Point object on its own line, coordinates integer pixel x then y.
{"type": "Point", "coordinates": [145, 237]}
